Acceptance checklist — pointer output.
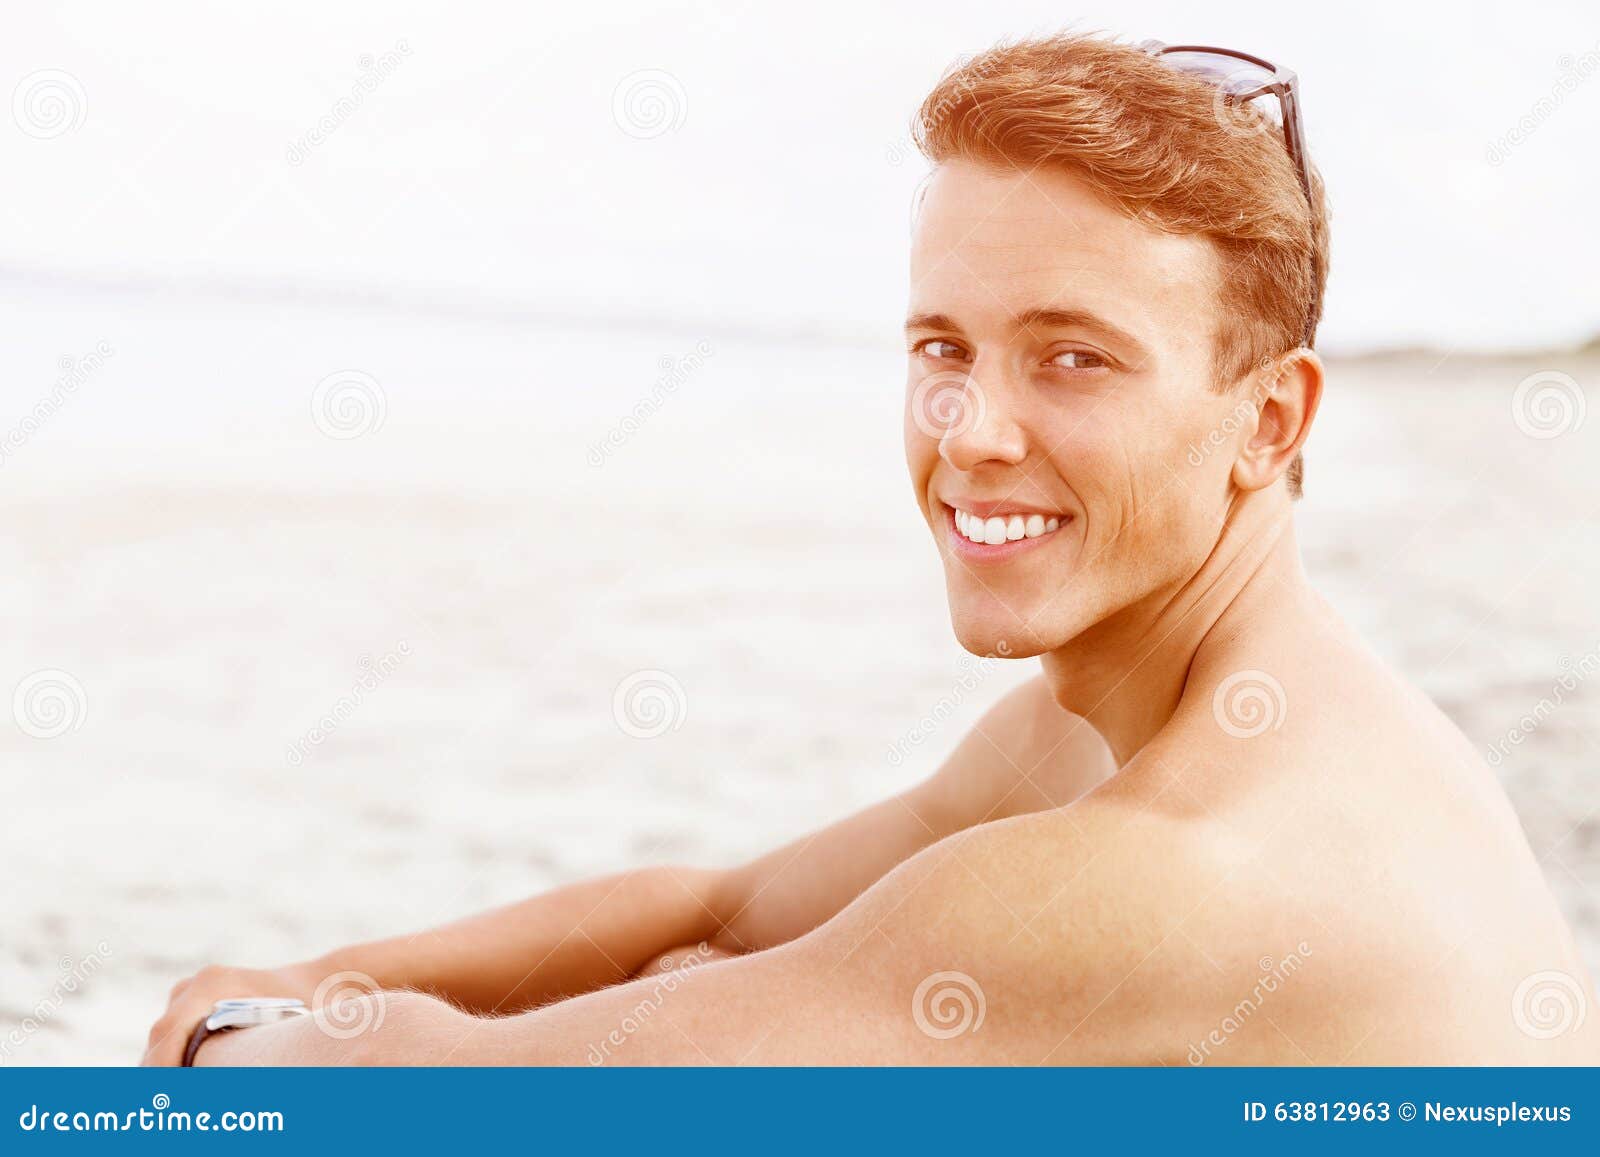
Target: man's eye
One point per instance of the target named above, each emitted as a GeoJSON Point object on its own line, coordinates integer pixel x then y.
{"type": "Point", "coordinates": [944, 350]}
{"type": "Point", "coordinates": [1078, 360]}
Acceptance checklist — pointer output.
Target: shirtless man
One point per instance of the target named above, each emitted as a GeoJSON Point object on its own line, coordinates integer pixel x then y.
{"type": "Point", "coordinates": [1215, 829]}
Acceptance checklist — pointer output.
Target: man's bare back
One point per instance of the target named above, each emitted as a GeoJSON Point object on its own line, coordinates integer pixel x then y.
{"type": "Point", "coordinates": [1335, 819]}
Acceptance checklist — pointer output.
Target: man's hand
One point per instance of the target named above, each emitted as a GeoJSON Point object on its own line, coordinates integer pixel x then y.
{"type": "Point", "coordinates": [191, 1000]}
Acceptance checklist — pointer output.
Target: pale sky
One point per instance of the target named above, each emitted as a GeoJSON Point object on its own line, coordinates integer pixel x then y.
{"type": "Point", "coordinates": [489, 168]}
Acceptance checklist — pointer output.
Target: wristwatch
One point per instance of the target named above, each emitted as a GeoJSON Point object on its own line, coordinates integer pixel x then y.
{"type": "Point", "coordinates": [241, 1012]}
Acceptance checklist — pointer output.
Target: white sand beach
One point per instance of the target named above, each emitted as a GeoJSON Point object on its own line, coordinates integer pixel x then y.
{"type": "Point", "coordinates": [205, 574]}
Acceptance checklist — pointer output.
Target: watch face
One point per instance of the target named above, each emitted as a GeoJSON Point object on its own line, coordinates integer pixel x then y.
{"type": "Point", "coordinates": [245, 1011]}
{"type": "Point", "coordinates": [258, 1002]}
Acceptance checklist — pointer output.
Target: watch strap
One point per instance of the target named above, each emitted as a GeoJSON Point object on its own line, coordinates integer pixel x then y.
{"type": "Point", "coordinates": [202, 1033]}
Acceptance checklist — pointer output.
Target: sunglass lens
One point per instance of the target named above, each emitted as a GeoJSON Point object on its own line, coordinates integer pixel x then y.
{"type": "Point", "coordinates": [1230, 74]}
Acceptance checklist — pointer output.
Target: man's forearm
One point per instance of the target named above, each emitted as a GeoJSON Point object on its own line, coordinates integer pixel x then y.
{"type": "Point", "coordinates": [627, 1023]}
{"type": "Point", "coordinates": [555, 945]}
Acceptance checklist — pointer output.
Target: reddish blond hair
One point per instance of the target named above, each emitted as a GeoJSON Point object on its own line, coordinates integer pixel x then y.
{"type": "Point", "coordinates": [1156, 142]}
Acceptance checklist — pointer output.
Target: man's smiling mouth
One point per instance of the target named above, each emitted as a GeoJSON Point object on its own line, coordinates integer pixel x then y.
{"type": "Point", "coordinates": [989, 526]}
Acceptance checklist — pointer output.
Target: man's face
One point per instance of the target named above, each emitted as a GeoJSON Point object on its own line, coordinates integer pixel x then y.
{"type": "Point", "coordinates": [1059, 379]}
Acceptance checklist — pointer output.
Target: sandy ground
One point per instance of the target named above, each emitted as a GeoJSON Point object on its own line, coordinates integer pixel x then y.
{"type": "Point", "coordinates": [212, 573]}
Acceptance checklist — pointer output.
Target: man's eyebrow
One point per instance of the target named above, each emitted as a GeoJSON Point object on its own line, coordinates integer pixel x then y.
{"type": "Point", "coordinates": [1041, 318]}
{"type": "Point", "coordinates": [1078, 319]}
{"type": "Point", "coordinates": [931, 321]}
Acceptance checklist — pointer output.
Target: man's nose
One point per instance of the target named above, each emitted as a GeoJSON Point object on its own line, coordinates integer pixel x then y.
{"type": "Point", "coordinates": [985, 429]}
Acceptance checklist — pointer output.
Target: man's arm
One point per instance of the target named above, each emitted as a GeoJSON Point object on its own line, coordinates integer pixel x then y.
{"type": "Point", "coordinates": [594, 934]}
{"type": "Point", "coordinates": [1024, 755]}
{"type": "Point", "coordinates": [1003, 944]}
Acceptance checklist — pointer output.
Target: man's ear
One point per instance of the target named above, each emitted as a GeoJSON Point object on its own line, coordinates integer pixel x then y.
{"type": "Point", "coordinates": [1286, 391]}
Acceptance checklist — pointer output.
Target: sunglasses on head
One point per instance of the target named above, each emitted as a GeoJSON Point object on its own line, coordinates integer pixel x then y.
{"type": "Point", "coordinates": [1246, 80]}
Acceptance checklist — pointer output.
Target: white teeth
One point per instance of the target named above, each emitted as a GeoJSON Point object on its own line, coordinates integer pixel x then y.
{"type": "Point", "coordinates": [1009, 528]}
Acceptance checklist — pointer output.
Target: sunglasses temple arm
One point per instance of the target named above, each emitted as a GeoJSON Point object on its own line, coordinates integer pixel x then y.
{"type": "Point", "coordinates": [1294, 138]}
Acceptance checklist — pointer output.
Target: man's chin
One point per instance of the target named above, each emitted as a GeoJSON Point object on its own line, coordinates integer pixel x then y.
{"type": "Point", "coordinates": [1015, 624]}
{"type": "Point", "coordinates": [990, 638]}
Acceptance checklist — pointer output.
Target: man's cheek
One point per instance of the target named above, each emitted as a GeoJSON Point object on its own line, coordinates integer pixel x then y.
{"type": "Point", "coordinates": [1101, 466]}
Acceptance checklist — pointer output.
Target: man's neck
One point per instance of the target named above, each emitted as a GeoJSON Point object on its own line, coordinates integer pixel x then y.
{"type": "Point", "coordinates": [1126, 675]}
